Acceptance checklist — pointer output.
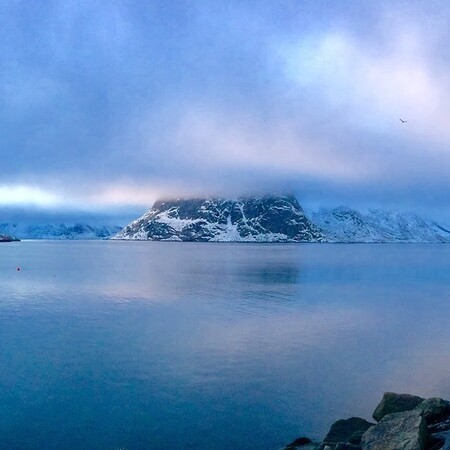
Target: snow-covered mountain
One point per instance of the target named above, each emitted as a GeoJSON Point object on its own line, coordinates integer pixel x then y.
{"type": "Point", "coordinates": [348, 225]}
{"type": "Point", "coordinates": [62, 231]}
{"type": "Point", "coordinates": [277, 219]}
{"type": "Point", "coordinates": [255, 219]}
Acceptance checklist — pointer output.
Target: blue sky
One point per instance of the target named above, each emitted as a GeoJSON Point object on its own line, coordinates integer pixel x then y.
{"type": "Point", "coordinates": [106, 106]}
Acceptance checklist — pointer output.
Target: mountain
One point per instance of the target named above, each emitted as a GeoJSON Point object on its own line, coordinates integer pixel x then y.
{"type": "Point", "coordinates": [348, 225]}
{"type": "Point", "coordinates": [253, 219]}
{"type": "Point", "coordinates": [62, 231]}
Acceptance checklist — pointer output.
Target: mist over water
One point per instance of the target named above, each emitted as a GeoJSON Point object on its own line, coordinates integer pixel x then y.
{"type": "Point", "coordinates": [164, 345]}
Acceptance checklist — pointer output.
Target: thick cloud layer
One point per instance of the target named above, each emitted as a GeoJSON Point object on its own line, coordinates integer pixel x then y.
{"type": "Point", "coordinates": [118, 104]}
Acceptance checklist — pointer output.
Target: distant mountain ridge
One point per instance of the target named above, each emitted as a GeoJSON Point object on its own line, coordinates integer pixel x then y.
{"type": "Point", "coordinates": [277, 218]}
{"type": "Point", "coordinates": [61, 231]}
{"type": "Point", "coordinates": [253, 219]}
{"type": "Point", "coordinates": [344, 224]}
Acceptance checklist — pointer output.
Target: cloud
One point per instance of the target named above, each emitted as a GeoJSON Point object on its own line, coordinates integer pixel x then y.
{"type": "Point", "coordinates": [27, 195]}
{"type": "Point", "coordinates": [119, 106]}
{"type": "Point", "coordinates": [362, 85]}
{"type": "Point", "coordinates": [229, 139]}
{"type": "Point", "coordinates": [375, 85]}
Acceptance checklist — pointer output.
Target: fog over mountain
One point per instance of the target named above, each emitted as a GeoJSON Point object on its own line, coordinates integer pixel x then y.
{"type": "Point", "coordinates": [30, 215]}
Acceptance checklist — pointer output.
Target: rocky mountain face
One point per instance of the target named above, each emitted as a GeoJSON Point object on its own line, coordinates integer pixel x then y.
{"type": "Point", "coordinates": [62, 231]}
{"type": "Point", "coordinates": [348, 225]}
{"type": "Point", "coordinates": [277, 219]}
{"type": "Point", "coordinates": [255, 219]}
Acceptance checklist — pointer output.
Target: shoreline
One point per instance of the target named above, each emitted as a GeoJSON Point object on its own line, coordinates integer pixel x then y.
{"type": "Point", "coordinates": [401, 422]}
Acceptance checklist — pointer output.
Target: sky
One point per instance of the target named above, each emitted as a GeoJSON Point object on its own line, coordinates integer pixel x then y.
{"type": "Point", "coordinates": [106, 106]}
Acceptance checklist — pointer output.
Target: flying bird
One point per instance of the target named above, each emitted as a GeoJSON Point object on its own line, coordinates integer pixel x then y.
{"type": "Point", "coordinates": [403, 121]}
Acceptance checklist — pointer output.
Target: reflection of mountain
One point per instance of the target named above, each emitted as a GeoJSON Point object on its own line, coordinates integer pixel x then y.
{"type": "Point", "coordinates": [50, 231]}
{"type": "Point", "coordinates": [255, 219]}
{"type": "Point", "coordinates": [348, 225]}
{"type": "Point", "coordinates": [271, 273]}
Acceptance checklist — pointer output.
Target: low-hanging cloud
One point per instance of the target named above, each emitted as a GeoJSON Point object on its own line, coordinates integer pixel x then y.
{"type": "Point", "coordinates": [118, 107]}
{"type": "Point", "coordinates": [223, 139]}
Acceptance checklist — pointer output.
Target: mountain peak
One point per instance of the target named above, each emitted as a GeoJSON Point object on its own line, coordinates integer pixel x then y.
{"type": "Point", "coordinates": [276, 218]}
{"type": "Point", "coordinates": [269, 218]}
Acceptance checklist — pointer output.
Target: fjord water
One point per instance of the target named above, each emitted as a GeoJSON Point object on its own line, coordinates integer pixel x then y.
{"type": "Point", "coordinates": [146, 345]}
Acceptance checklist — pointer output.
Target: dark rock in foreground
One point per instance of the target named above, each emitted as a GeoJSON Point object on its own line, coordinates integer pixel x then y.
{"type": "Point", "coordinates": [392, 403]}
{"type": "Point", "coordinates": [303, 442]}
{"type": "Point", "coordinates": [421, 424]}
{"type": "Point", "coordinates": [403, 430]}
{"type": "Point", "coordinates": [349, 430]}
{"type": "Point", "coordinates": [346, 446]}
{"type": "Point", "coordinates": [434, 409]}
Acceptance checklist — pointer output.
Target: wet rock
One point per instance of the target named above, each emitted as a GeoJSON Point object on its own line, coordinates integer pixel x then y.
{"type": "Point", "coordinates": [397, 431]}
{"type": "Point", "coordinates": [393, 403]}
{"type": "Point", "coordinates": [349, 430]}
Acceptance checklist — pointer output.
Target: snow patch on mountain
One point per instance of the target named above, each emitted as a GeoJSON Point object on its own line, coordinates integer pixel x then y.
{"type": "Point", "coordinates": [277, 219]}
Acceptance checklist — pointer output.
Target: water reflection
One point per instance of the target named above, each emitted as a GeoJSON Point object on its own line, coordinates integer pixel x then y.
{"type": "Point", "coordinates": [161, 345]}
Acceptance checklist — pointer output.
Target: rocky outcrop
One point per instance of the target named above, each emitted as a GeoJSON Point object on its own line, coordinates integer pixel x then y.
{"type": "Point", "coordinates": [348, 430]}
{"type": "Point", "coordinates": [346, 446]}
{"type": "Point", "coordinates": [434, 409]}
{"type": "Point", "coordinates": [254, 219]}
{"type": "Point", "coordinates": [302, 442]}
{"type": "Point", "coordinates": [392, 403]}
{"type": "Point", "coordinates": [402, 430]}
{"type": "Point", "coordinates": [406, 422]}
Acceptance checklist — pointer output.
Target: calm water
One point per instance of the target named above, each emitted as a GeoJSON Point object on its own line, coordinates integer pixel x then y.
{"type": "Point", "coordinates": [140, 345]}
